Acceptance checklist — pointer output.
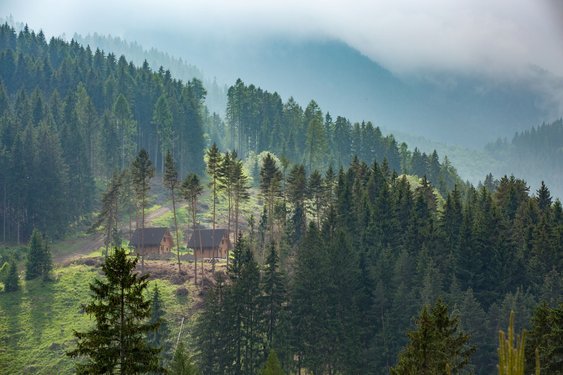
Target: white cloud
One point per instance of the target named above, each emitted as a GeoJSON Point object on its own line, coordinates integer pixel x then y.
{"type": "Point", "coordinates": [493, 37]}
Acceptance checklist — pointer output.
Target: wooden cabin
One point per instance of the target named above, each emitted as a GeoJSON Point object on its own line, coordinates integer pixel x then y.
{"type": "Point", "coordinates": [154, 241]}
{"type": "Point", "coordinates": [212, 244]}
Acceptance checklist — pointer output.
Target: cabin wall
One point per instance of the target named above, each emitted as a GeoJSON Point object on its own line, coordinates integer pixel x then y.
{"type": "Point", "coordinates": [149, 250]}
{"type": "Point", "coordinates": [166, 244]}
{"type": "Point", "coordinates": [205, 253]}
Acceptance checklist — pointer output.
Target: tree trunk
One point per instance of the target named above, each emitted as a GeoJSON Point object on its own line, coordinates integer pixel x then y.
{"type": "Point", "coordinates": [5, 209]}
{"type": "Point", "coordinates": [176, 228]}
{"type": "Point", "coordinates": [229, 223]}
{"type": "Point", "coordinates": [142, 247]}
{"type": "Point", "coordinates": [236, 222]}
{"type": "Point", "coordinates": [213, 231]}
{"type": "Point", "coordinates": [195, 250]}
{"type": "Point", "coordinates": [121, 335]}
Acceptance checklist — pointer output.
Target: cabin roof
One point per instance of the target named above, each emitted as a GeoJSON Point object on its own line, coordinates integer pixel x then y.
{"type": "Point", "coordinates": [207, 238]}
{"type": "Point", "coordinates": [151, 236]}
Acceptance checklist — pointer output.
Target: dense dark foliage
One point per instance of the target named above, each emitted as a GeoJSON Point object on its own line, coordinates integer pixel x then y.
{"type": "Point", "coordinates": [546, 336]}
{"type": "Point", "coordinates": [39, 262]}
{"type": "Point", "coordinates": [382, 252]}
{"type": "Point", "coordinates": [70, 116]}
{"type": "Point", "coordinates": [437, 346]}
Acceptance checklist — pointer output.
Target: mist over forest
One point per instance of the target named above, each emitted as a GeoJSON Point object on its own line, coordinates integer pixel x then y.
{"type": "Point", "coordinates": [459, 116]}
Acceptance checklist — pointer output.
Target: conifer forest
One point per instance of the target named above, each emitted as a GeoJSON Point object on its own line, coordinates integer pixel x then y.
{"type": "Point", "coordinates": [347, 250]}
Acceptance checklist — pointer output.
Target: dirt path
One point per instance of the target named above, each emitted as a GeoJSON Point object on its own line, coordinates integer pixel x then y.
{"type": "Point", "coordinates": [78, 247]}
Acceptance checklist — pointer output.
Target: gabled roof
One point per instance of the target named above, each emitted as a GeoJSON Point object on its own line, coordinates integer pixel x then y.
{"type": "Point", "coordinates": [151, 237]}
{"type": "Point", "coordinates": [207, 238]}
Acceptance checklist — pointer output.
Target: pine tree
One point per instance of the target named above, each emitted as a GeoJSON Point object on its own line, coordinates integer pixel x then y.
{"type": "Point", "coordinates": [117, 343]}
{"type": "Point", "coordinates": [214, 162]}
{"type": "Point", "coordinates": [109, 213]}
{"type": "Point", "coordinates": [436, 347]}
{"type": "Point", "coordinates": [191, 190]}
{"type": "Point", "coordinates": [240, 190]}
{"type": "Point", "coordinates": [142, 171]}
{"type": "Point", "coordinates": [171, 182]}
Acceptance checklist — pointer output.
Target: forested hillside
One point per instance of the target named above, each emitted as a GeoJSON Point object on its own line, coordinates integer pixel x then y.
{"type": "Point", "coordinates": [360, 259]}
{"type": "Point", "coordinates": [348, 234]}
{"type": "Point", "coordinates": [259, 121]}
{"type": "Point", "coordinates": [71, 116]}
{"type": "Point", "coordinates": [180, 69]}
{"type": "Point", "coordinates": [536, 154]}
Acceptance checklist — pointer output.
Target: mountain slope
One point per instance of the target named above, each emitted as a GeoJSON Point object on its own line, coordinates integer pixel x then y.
{"type": "Point", "coordinates": [465, 110]}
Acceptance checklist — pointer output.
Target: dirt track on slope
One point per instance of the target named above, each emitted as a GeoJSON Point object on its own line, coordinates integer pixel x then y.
{"type": "Point", "coordinates": [84, 246]}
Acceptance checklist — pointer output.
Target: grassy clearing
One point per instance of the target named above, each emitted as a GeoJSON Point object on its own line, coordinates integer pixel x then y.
{"type": "Point", "coordinates": [37, 322]}
{"type": "Point", "coordinates": [415, 182]}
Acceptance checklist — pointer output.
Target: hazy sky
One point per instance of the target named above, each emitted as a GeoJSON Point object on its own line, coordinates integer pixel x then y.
{"type": "Point", "coordinates": [499, 37]}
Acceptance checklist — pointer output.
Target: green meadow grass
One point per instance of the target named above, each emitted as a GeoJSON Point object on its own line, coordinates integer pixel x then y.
{"type": "Point", "coordinates": [37, 322]}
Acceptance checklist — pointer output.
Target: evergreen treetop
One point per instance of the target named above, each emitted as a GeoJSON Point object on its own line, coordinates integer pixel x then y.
{"type": "Point", "coordinates": [117, 342]}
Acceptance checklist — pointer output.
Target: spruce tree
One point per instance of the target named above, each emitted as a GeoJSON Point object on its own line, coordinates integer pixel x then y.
{"type": "Point", "coordinates": [47, 264]}
{"type": "Point", "coordinates": [272, 365]}
{"type": "Point", "coordinates": [544, 198]}
{"type": "Point", "coordinates": [316, 193]}
{"type": "Point", "coordinates": [273, 290]}
{"type": "Point", "coordinates": [308, 302]}
{"type": "Point", "coordinates": [296, 194]}
{"type": "Point", "coordinates": [436, 347]}
{"type": "Point", "coordinates": [117, 342]}
{"type": "Point", "coordinates": [36, 258]}
{"type": "Point", "coordinates": [181, 363]}
{"type": "Point", "coordinates": [163, 121]}
{"type": "Point", "coordinates": [12, 282]}
{"type": "Point", "coordinates": [244, 311]}
{"type": "Point", "coordinates": [213, 333]}
{"type": "Point", "coordinates": [545, 339]}
{"type": "Point", "coordinates": [158, 338]}
{"type": "Point", "coordinates": [270, 187]}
